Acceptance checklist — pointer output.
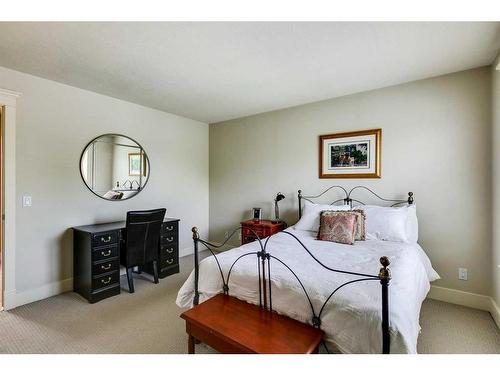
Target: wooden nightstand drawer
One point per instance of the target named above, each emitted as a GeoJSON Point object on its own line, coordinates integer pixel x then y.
{"type": "Point", "coordinates": [262, 228]}
{"type": "Point", "coordinates": [252, 232]}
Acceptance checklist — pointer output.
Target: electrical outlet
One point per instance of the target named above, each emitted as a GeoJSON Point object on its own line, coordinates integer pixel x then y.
{"type": "Point", "coordinates": [226, 235]}
{"type": "Point", "coordinates": [239, 235]}
{"type": "Point", "coordinates": [462, 273]}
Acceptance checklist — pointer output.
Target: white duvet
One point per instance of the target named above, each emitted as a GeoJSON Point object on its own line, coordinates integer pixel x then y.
{"type": "Point", "coordinates": [352, 318]}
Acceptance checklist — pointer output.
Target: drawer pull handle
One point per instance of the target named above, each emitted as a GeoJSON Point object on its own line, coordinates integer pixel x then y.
{"type": "Point", "coordinates": [106, 241]}
{"type": "Point", "coordinates": [170, 261]}
{"type": "Point", "coordinates": [170, 251]}
{"type": "Point", "coordinates": [106, 281]}
{"type": "Point", "coordinates": [106, 254]}
{"type": "Point", "coordinates": [169, 228]}
{"type": "Point", "coordinates": [106, 267]}
{"type": "Point", "coordinates": [170, 239]}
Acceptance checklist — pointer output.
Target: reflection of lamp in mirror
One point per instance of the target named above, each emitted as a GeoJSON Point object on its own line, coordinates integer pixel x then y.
{"type": "Point", "coordinates": [278, 198]}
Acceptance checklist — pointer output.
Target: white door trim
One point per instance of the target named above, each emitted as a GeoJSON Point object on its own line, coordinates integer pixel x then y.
{"type": "Point", "coordinates": [8, 99]}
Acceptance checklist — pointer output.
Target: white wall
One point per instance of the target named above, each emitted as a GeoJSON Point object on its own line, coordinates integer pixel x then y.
{"type": "Point", "coordinates": [496, 181]}
{"type": "Point", "coordinates": [54, 123]}
{"type": "Point", "coordinates": [435, 143]}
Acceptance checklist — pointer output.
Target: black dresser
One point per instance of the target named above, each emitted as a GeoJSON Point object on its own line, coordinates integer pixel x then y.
{"type": "Point", "coordinates": [96, 257]}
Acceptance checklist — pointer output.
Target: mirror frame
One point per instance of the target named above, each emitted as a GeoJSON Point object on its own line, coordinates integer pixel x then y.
{"type": "Point", "coordinates": [120, 135]}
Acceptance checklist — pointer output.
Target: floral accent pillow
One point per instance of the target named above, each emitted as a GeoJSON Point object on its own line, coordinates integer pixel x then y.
{"type": "Point", "coordinates": [337, 226]}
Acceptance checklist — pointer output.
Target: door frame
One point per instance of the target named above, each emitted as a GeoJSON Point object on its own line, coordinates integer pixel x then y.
{"type": "Point", "coordinates": [8, 100]}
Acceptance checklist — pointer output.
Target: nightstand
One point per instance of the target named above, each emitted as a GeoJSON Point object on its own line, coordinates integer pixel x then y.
{"type": "Point", "coordinates": [263, 228]}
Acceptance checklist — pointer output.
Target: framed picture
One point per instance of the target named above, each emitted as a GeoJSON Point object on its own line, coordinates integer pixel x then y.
{"type": "Point", "coordinates": [256, 213]}
{"type": "Point", "coordinates": [350, 155]}
{"type": "Point", "coordinates": [136, 164]}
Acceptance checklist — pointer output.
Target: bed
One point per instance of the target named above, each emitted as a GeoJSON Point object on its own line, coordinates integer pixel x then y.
{"type": "Point", "coordinates": [299, 284]}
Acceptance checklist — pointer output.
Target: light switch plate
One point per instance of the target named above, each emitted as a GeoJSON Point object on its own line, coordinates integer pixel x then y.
{"type": "Point", "coordinates": [26, 201]}
{"type": "Point", "coordinates": [462, 274]}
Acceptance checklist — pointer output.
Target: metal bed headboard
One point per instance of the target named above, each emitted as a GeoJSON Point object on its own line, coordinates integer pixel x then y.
{"type": "Point", "coordinates": [348, 197]}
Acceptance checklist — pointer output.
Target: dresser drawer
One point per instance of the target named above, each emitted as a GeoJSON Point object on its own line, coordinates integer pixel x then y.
{"type": "Point", "coordinates": [104, 253]}
{"type": "Point", "coordinates": [168, 262]}
{"type": "Point", "coordinates": [105, 280]}
{"type": "Point", "coordinates": [104, 239]}
{"type": "Point", "coordinates": [168, 239]}
{"type": "Point", "coordinates": [170, 227]}
{"type": "Point", "coordinates": [168, 251]}
{"type": "Point", "coordinates": [106, 266]}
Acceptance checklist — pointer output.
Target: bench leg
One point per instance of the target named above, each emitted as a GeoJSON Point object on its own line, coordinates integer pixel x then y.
{"type": "Point", "coordinates": [191, 344]}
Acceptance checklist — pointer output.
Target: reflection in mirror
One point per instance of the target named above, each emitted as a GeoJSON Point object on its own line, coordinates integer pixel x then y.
{"type": "Point", "coordinates": [114, 167]}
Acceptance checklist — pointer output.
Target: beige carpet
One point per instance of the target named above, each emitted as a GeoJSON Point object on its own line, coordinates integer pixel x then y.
{"type": "Point", "coordinates": [148, 322]}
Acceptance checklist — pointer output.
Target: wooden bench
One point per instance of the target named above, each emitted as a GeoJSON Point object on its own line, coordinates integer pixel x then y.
{"type": "Point", "coordinates": [230, 325]}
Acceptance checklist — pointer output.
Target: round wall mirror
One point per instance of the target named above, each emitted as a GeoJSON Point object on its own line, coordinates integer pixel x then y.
{"type": "Point", "coordinates": [114, 167]}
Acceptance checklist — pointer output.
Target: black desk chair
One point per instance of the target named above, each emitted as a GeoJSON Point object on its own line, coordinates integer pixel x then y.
{"type": "Point", "coordinates": [141, 242]}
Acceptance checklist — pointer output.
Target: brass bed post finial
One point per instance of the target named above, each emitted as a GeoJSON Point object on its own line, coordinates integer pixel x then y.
{"type": "Point", "coordinates": [384, 274]}
{"type": "Point", "coordinates": [196, 235]}
{"type": "Point", "coordinates": [410, 198]}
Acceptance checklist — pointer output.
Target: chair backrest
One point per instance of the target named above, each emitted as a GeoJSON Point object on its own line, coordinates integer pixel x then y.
{"type": "Point", "coordinates": [143, 235]}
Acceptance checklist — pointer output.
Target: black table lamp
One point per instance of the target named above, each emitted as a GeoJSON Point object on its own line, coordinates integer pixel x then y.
{"type": "Point", "coordinates": [278, 198]}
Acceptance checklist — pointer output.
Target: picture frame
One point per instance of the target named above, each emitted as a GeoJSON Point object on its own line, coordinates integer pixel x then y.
{"type": "Point", "coordinates": [350, 154]}
{"type": "Point", "coordinates": [256, 213]}
{"type": "Point", "coordinates": [136, 164]}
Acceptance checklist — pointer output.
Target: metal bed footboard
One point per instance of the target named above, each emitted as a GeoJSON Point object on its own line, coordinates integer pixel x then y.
{"type": "Point", "coordinates": [264, 282]}
{"type": "Point", "coordinates": [264, 263]}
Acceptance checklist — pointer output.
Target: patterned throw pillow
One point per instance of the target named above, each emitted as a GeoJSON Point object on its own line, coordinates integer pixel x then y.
{"type": "Point", "coordinates": [337, 226]}
{"type": "Point", "coordinates": [360, 225]}
{"type": "Point", "coordinates": [360, 233]}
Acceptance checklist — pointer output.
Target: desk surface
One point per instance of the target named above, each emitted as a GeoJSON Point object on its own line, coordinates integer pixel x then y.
{"type": "Point", "coordinates": [116, 225]}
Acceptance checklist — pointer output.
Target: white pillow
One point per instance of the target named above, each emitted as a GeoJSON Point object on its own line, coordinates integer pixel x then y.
{"type": "Point", "coordinates": [310, 215]}
{"type": "Point", "coordinates": [397, 224]}
{"type": "Point", "coordinates": [412, 224]}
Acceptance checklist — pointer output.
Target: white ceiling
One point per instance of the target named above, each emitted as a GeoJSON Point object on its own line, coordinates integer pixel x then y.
{"type": "Point", "coordinates": [219, 71]}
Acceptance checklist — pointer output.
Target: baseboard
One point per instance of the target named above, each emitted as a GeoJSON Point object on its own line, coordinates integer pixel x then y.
{"type": "Point", "coordinates": [458, 297]}
{"type": "Point", "coordinates": [495, 312]}
{"type": "Point", "coordinates": [14, 298]}
{"type": "Point", "coordinates": [190, 251]}
{"type": "Point", "coordinates": [478, 301]}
